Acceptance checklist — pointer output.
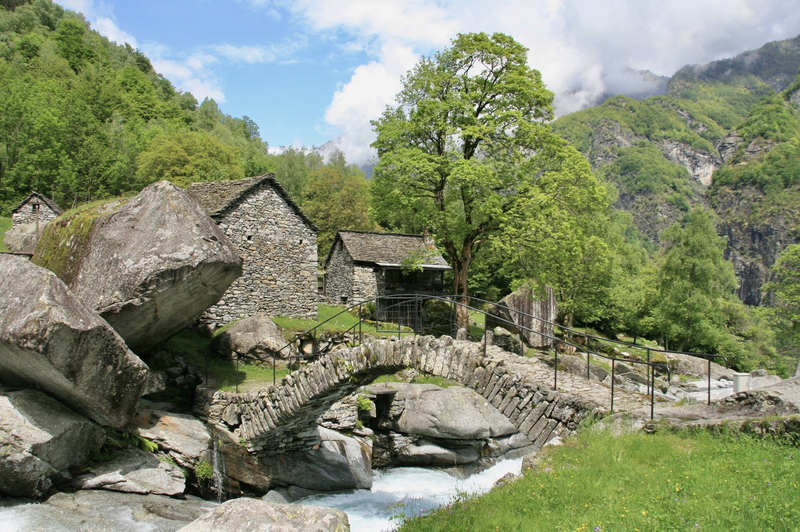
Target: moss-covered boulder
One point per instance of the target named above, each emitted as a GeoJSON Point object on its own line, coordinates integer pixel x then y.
{"type": "Point", "coordinates": [149, 265]}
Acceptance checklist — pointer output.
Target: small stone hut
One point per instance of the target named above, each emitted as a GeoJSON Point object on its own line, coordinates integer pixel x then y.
{"type": "Point", "coordinates": [27, 222]}
{"type": "Point", "coordinates": [363, 265]}
{"type": "Point", "coordinates": [277, 242]}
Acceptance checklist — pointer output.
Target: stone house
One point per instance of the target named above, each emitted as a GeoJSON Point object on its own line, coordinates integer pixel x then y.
{"type": "Point", "coordinates": [27, 222]}
{"type": "Point", "coordinates": [364, 265]}
{"type": "Point", "coordinates": [277, 243]}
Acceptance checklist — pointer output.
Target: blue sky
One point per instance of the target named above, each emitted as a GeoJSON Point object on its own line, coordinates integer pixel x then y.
{"type": "Point", "coordinates": [310, 71]}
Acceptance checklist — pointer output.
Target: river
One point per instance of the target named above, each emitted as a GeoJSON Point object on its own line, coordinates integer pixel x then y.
{"type": "Point", "coordinates": [408, 491]}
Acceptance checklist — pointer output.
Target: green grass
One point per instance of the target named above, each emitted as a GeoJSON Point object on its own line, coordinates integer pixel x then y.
{"type": "Point", "coordinates": [661, 481]}
{"type": "Point", "coordinates": [339, 320]}
{"type": "Point", "coordinates": [222, 373]}
{"type": "Point", "coordinates": [5, 225]}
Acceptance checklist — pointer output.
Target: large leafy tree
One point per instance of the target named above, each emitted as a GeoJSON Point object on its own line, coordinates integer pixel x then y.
{"type": "Point", "coordinates": [467, 141]}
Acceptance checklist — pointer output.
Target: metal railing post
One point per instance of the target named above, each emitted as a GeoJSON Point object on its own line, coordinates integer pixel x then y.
{"type": "Point", "coordinates": [651, 370]}
{"type": "Point", "coordinates": [360, 319]}
{"type": "Point", "coordinates": [709, 381]}
{"type": "Point", "coordinates": [613, 368]}
{"type": "Point", "coordinates": [236, 377]}
{"type": "Point", "coordinates": [555, 374]}
{"type": "Point", "coordinates": [652, 388]}
{"type": "Point", "coordinates": [274, 356]}
{"type": "Point", "coordinates": [588, 374]}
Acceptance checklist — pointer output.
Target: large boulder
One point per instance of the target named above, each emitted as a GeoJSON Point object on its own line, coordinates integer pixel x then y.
{"type": "Point", "coordinates": [50, 340]}
{"type": "Point", "coordinates": [256, 338]}
{"type": "Point", "coordinates": [21, 238]}
{"type": "Point", "coordinates": [40, 439]}
{"type": "Point", "coordinates": [150, 265]}
{"type": "Point", "coordinates": [339, 463]}
{"type": "Point", "coordinates": [428, 425]}
{"type": "Point", "coordinates": [184, 438]}
{"type": "Point", "coordinates": [243, 474]}
{"type": "Point", "coordinates": [523, 313]}
{"type": "Point", "coordinates": [261, 516]}
{"type": "Point", "coordinates": [454, 413]}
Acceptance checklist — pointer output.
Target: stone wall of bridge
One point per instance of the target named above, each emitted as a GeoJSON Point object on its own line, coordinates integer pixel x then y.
{"type": "Point", "coordinates": [284, 418]}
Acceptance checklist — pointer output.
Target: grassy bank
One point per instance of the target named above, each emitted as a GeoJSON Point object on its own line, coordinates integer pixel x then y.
{"type": "Point", "coordinates": [5, 225]}
{"type": "Point", "coordinates": [640, 482]}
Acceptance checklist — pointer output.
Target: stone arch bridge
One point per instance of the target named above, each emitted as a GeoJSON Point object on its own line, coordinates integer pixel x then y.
{"type": "Point", "coordinates": [284, 418]}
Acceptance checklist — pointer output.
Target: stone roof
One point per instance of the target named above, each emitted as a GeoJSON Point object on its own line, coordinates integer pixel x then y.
{"type": "Point", "coordinates": [217, 198]}
{"type": "Point", "coordinates": [388, 249]}
{"type": "Point", "coordinates": [50, 203]}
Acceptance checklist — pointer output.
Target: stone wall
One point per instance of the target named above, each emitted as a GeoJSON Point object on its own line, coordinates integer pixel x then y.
{"type": "Point", "coordinates": [364, 284]}
{"type": "Point", "coordinates": [339, 275]}
{"type": "Point", "coordinates": [284, 418]}
{"type": "Point", "coordinates": [279, 251]}
{"type": "Point", "coordinates": [346, 282]}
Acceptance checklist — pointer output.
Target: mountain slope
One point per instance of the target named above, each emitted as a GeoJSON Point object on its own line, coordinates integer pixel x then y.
{"type": "Point", "coordinates": [723, 136]}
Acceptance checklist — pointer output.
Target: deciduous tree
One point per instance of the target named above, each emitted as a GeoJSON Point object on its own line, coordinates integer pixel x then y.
{"type": "Point", "coordinates": [468, 139]}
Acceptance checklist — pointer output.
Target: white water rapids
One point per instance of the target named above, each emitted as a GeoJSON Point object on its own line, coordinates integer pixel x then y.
{"type": "Point", "coordinates": [408, 491]}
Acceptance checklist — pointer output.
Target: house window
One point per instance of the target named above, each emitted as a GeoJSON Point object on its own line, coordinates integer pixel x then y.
{"type": "Point", "coordinates": [393, 276]}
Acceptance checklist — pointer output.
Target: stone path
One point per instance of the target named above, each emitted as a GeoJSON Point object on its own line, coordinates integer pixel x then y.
{"type": "Point", "coordinates": [576, 385]}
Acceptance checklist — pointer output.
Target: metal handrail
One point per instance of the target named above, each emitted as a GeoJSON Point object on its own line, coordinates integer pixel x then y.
{"type": "Point", "coordinates": [420, 298]}
{"type": "Point", "coordinates": [649, 349]}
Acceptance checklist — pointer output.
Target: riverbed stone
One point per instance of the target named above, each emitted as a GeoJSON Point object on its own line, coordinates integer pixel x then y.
{"type": "Point", "coordinates": [257, 515]}
{"type": "Point", "coordinates": [134, 471]}
{"type": "Point", "coordinates": [50, 340]}
{"type": "Point", "coordinates": [428, 453]}
{"type": "Point", "coordinates": [183, 437]}
{"type": "Point", "coordinates": [40, 439]}
{"type": "Point", "coordinates": [339, 463]}
{"type": "Point", "coordinates": [102, 511]}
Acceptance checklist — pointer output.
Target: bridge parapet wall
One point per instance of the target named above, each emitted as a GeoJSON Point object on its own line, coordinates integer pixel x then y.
{"type": "Point", "coordinates": [284, 418]}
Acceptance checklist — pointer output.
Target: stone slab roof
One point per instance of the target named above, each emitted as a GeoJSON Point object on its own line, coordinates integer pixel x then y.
{"type": "Point", "coordinates": [50, 203]}
{"type": "Point", "coordinates": [219, 197]}
{"type": "Point", "coordinates": [388, 249]}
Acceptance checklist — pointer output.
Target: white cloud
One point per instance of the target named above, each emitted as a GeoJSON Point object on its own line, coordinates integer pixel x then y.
{"type": "Point", "coordinates": [580, 47]}
{"type": "Point", "coordinates": [108, 28]}
{"type": "Point", "coordinates": [583, 49]}
{"type": "Point", "coordinates": [364, 98]}
{"type": "Point", "coordinates": [260, 54]}
{"type": "Point", "coordinates": [190, 75]}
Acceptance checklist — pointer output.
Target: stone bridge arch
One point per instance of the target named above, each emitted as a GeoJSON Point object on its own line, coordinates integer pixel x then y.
{"type": "Point", "coordinates": [284, 418]}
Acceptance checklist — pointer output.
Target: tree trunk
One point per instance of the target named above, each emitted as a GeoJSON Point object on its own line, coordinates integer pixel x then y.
{"type": "Point", "coordinates": [460, 270]}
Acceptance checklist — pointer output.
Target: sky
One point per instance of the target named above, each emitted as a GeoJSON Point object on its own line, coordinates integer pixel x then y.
{"type": "Point", "coordinates": [313, 71]}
